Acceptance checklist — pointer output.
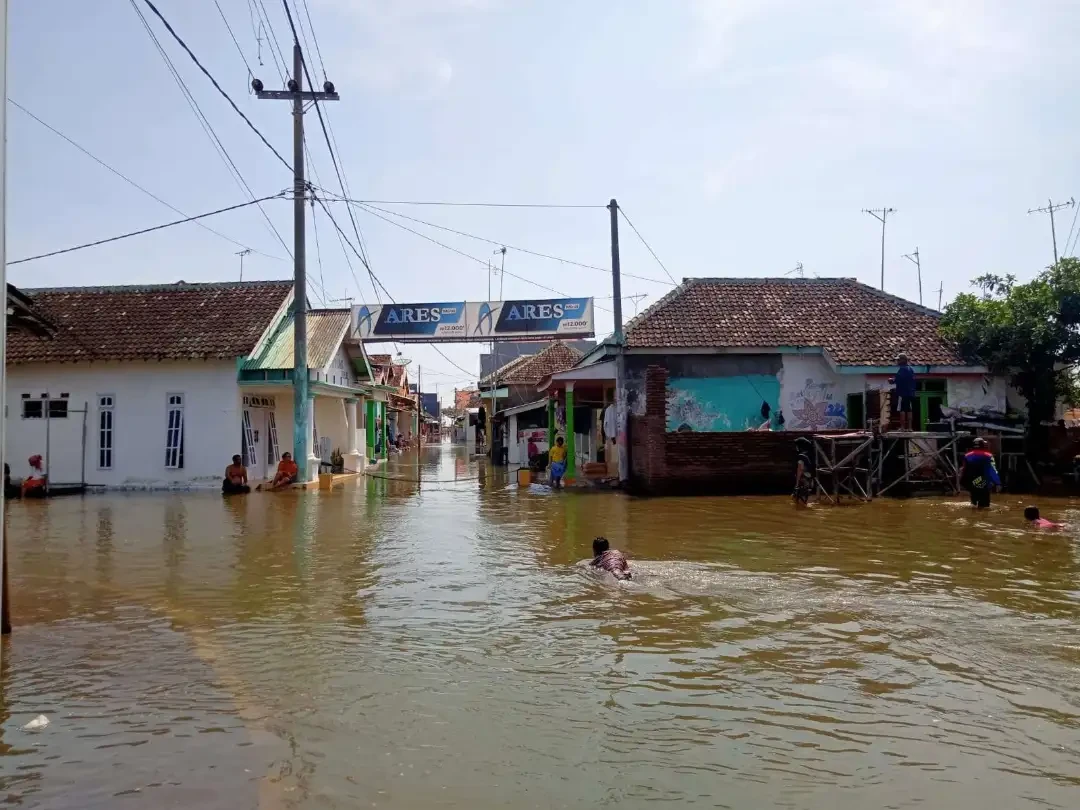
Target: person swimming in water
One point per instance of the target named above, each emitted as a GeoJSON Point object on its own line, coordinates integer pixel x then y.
{"type": "Point", "coordinates": [610, 560]}
{"type": "Point", "coordinates": [1031, 515]}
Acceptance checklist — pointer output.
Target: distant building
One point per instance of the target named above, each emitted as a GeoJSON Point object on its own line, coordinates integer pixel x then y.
{"type": "Point", "coordinates": [465, 398]}
{"type": "Point", "coordinates": [503, 353]}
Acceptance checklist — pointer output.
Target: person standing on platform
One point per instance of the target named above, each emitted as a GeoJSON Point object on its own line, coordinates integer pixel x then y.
{"type": "Point", "coordinates": [905, 391]}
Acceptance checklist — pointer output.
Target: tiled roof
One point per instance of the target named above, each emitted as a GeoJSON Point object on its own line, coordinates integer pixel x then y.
{"type": "Point", "coordinates": [854, 323]}
{"type": "Point", "coordinates": [502, 371]}
{"type": "Point", "coordinates": [325, 328]}
{"type": "Point", "coordinates": [529, 370]}
{"type": "Point", "coordinates": [151, 322]}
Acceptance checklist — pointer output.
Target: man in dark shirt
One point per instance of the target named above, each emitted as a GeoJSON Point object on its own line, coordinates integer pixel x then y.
{"type": "Point", "coordinates": [905, 391]}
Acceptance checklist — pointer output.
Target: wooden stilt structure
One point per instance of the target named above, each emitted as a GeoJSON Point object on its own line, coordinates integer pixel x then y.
{"type": "Point", "coordinates": [861, 465]}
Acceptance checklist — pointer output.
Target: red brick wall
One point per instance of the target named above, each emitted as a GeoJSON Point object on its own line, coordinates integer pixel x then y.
{"type": "Point", "coordinates": [735, 463]}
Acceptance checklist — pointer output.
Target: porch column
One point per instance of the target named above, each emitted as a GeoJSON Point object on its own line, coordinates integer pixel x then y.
{"type": "Point", "coordinates": [313, 460]}
{"type": "Point", "coordinates": [350, 425]}
{"type": "Point", "coordinates": [571, 461]}
{"type": "Point", "coordinates": [385, 430]}
{"type": "Point", "coordinates": [369, 431]}
{"type": "Point", "coordinates": [551, 422]}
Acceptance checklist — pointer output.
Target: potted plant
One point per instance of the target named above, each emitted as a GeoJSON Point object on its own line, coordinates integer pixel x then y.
{"type": "Point", "coordinates": [337, 461]}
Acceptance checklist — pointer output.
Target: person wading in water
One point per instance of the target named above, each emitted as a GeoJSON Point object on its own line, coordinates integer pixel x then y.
{"type": "Point", "coordinates": [979, 474]}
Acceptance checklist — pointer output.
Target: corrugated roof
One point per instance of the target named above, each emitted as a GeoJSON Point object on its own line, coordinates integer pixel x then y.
{"type": "Point", "coordinates": [325, 328]}
{"type": "Point", "coordinates": [150, 322]}
{"type": "Point", "coordinates": [856, 324]}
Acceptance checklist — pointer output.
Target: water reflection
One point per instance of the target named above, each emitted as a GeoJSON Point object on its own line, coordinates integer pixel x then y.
{"type": "Point", "coordinates": [427, 638]}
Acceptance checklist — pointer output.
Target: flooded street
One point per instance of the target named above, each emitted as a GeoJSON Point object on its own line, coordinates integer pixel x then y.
{"type": "Point", "coordinates": [401, 645]}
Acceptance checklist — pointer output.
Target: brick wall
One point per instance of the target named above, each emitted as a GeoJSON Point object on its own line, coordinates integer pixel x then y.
{"type": "Point", "coordinates": [736, 463]}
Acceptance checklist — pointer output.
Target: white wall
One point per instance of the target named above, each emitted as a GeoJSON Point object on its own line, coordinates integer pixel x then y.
{"type": "Point", "coordinates": [812, 395]}
{"type": "Point", "coordinates": [975, 392]}
{"type": "Point", "coordinates": [140, 390]}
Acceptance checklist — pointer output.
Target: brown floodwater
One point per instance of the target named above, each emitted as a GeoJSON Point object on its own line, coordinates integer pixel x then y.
{"type": "Point", "coordinates": [397, 645]}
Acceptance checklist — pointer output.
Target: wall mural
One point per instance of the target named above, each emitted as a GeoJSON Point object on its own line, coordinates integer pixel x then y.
{"type": "Point", "coordinates": [718, 404]}
{"type": "Point", "coordinates": [816, 406]}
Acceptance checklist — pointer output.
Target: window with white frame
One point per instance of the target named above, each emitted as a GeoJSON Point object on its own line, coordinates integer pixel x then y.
{"type": "Point", "coordinates": [106, 403]}
{"type": "Point", "coordinates": [174, 433]}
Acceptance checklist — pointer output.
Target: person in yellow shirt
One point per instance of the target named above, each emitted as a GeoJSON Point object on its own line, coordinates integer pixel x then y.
{"type": "Point", "coordinates": [557, 459]}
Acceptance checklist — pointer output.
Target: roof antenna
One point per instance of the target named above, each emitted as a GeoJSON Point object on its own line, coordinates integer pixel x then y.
{"type": "Point", "coordinates": [798, 270]}
{"type": "Point", "coordinates": [242, 254]}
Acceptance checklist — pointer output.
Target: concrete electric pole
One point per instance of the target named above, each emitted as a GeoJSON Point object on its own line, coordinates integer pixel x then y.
{"type": "Point", "coordinates": [295, 93]}
{"type": "Point", "coordinates": [881, 214]}
{"type": "Point", "coordinates": [1050, 208]}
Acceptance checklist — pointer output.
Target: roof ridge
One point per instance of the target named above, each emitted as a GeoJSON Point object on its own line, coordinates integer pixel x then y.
{"type": "Point", "coordinates": [174, 286]}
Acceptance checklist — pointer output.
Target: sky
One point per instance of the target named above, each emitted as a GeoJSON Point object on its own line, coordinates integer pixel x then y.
{"type": "Point", "coordinates": [741, 137]}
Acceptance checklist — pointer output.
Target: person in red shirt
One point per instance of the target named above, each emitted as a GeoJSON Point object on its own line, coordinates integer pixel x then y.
{"type": "Point", "coordinates": [286, 473]}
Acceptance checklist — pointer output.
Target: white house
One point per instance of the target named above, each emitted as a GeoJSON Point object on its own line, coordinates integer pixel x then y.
{"type": "Point", "coordinates": [159, 385]}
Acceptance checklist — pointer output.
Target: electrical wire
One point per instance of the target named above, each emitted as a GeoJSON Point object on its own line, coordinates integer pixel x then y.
{"type": "Point", "coordinates": [361, 252]}
{"type": "Point", "coordinates": [303, 31]}
{"type": "Point", "coordinates": [273, 39]}
{"type": "Point", "coordinates": [150, 230]}
{"type": "Point", "coordinates": [260, 29]}
{"type": "Point", "coordinates": [559, 259]}
{"type": "Point", "coordinates": [1076, 210]}
{"type": "Point", "coordinates": [647, 245]}
{"type": "Point", "coordinates": [470, 256]}
{"type": "Point", "coordinates": [204, 122]}
{"type": "Point", "coordinates": [214, 81]}
{"type": "Point", "coordinates": [318, 249]}
{"type": "Point", "coordinates": [131, 182]}
{"type": "Point", "coordinates": [471, 204]}
{"type": "Point", "coordinates": [315, 39]}
{"type": "Point", "coordinates": [239, 50]}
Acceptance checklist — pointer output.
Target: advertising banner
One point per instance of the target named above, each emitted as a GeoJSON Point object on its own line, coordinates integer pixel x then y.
{"type": "Point", "coordinates": [482, 321]}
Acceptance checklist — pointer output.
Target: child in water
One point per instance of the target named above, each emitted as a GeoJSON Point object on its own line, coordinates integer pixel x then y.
{"type": "Point", "coordinates": [1031, 515]}
{"type": "Point", "coordinates": [608, 559]}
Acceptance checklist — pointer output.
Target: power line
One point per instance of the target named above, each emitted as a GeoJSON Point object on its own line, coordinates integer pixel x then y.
{"type": "Point", "coordinates": [647, 245]}
{"type": "Point", "coordinates": [470, 256]}
{"type": "Point", "coordinates": [1076, 210]}
{"type": "Point", "coordinates": [273, 39]}
{"type": "Point", "coordinates": [239, 50]}
{"type": "Point", "coordinates": [471, 204]}
{"type": "Point", "coordinates": [315, 39]}
{"type": "Point", "coordinates": [361, 252]}
{"type": "Point", "coordinates": [214, 81]}
{"type": "Point", "coordinates": [149, 230]}
{"type": "Point", "coordinates": [204, 122]}
{"type": "Point", "coordinates": [131, 182]}
{"type": "Point", "coordinates": [318, 249]}
{"type": "Point", "coordinates": [498, 243]}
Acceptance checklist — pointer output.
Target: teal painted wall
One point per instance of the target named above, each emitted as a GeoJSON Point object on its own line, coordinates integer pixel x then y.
{"type": "Point", "coordinates": [718, 404]}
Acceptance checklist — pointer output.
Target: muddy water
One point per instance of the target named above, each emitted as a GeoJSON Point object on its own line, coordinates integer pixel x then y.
{"type": "Point", "coordinates": [399, 645]}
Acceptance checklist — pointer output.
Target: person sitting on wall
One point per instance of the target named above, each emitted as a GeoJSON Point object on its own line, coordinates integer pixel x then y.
{"type": "Point", "coordinates": [236, 478]}
{"type": "Point", "coordinates": [287, 471]}
{"type": "Point", "coordinates": [33, 486]}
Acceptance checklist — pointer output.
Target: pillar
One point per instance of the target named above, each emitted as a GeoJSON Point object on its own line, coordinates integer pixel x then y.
{"type": "Point", "coordinates": [313, 457]}
{"type": "Point", "coordinates": [571, 455]}
{"type": "Point", "coordinates": [551, 422]}
{"type": "Point", "coordinates": [350, 426]}
{"type": "Point", "coordinates": [385, 430]}
{"type": "Point", "coordinates": [369, 432]}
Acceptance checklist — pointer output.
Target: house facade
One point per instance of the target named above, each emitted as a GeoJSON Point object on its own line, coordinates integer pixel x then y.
{"type": "Point", "coordinates": [157, 386]}
{"type": "Point", "coordinates": [739, 357]}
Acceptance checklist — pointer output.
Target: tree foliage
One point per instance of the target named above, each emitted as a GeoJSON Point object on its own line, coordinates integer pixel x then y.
{"type": "Point", "coordinates": [1030, 332]}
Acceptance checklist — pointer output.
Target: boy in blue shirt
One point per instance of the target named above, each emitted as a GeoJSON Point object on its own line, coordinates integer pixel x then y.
{"type": "Point", "coordinates": [905, 391]}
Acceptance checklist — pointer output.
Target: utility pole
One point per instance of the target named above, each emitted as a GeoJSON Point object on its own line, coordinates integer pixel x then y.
{"type": "Point", "coordinates": [621, 443]}
{"type": "Point", "coordinates": [5, 617]}
{"type": "Point", "coordinates": [242, 254]}
{"type": "Point", "coordinates": [914, 258]}
{"type": "Point", "coordinates": [940, 290]}
{"type": "Point", "coordinates": [881, 214]}
{"type": "Point", "coordinates": [495, 355]}
{"type": "Point", "coordinates": [302, 407]}
{"type": "Point", "coordinates": [1050, 208]}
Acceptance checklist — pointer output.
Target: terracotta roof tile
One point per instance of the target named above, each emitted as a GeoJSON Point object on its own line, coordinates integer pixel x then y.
{"type": "Point", "coordinates": [161, 321]}
{"type": "Point", "coordinates": [854, 323]}
{"type": "Point", "coordinates": [530, 369]}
